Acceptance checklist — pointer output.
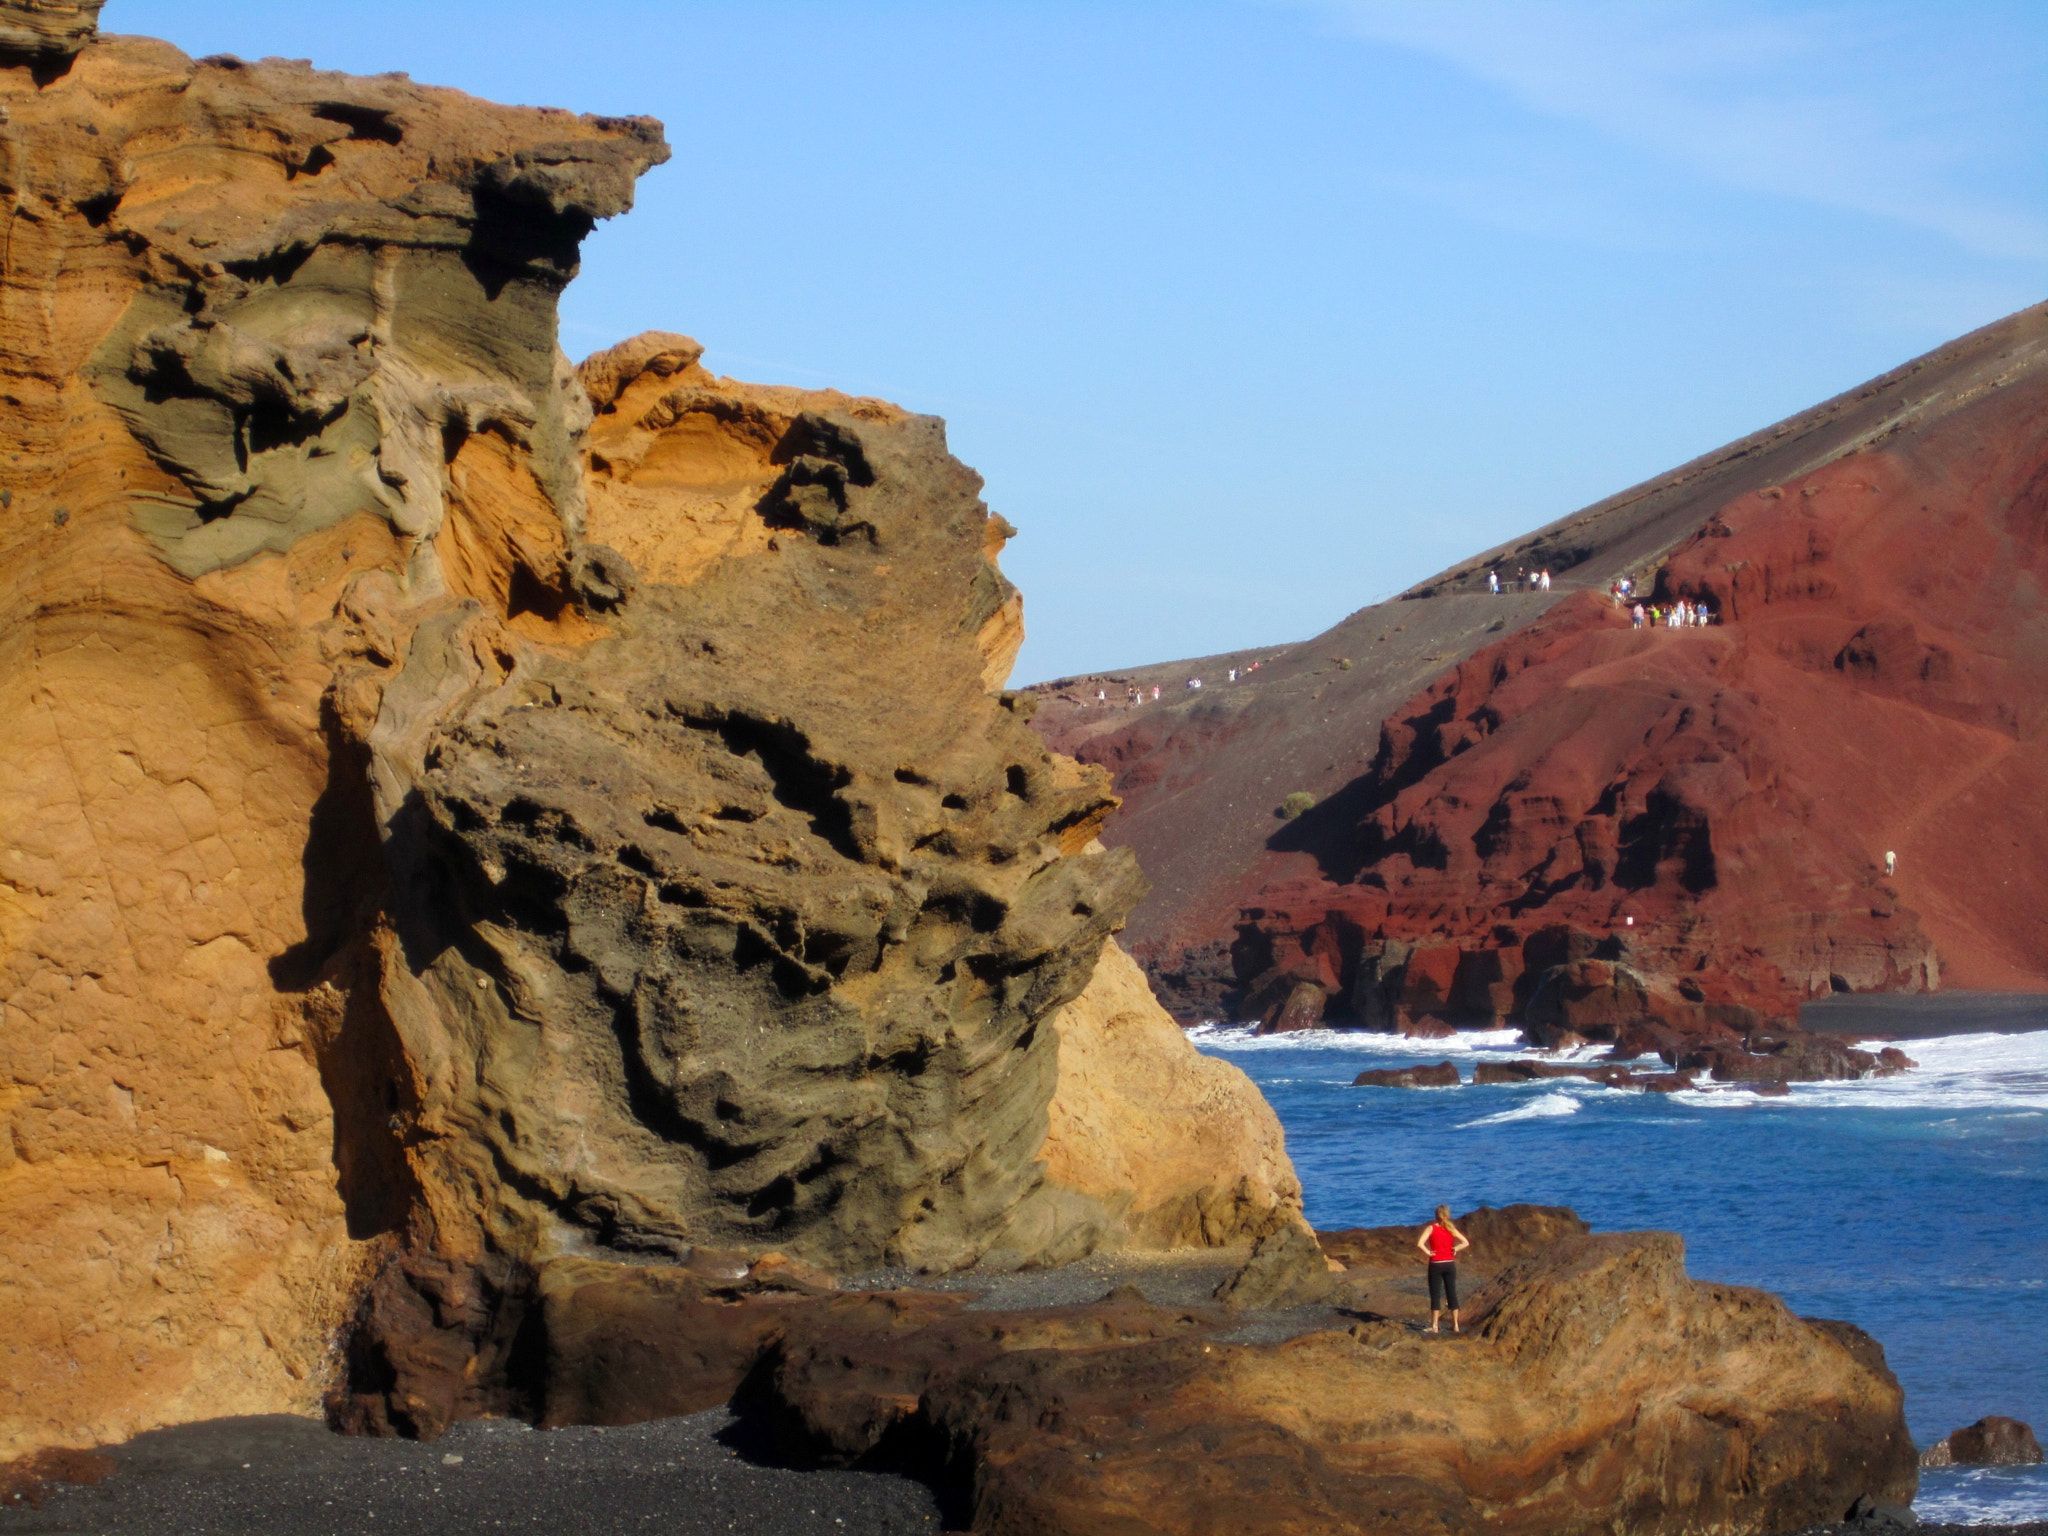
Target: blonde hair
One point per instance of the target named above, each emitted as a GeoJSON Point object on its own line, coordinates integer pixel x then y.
{"type": "Point", "coordinates": [1443, 1218]}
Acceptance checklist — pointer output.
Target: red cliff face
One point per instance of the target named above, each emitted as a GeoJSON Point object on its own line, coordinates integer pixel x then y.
{"type": "Point", "coordinates": [1589, 825]}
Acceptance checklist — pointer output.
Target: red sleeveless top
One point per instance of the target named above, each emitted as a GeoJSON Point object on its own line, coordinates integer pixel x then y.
{"type": "Point", "coordinates": [1443, 1247]}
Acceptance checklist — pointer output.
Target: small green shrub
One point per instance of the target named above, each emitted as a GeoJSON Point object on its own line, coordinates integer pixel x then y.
{"type": "Point", "coordinates": [1294, 805]}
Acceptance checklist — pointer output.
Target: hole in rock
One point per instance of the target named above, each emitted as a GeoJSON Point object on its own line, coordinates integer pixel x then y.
{"type": "Point", "coordinates": [363, 123]}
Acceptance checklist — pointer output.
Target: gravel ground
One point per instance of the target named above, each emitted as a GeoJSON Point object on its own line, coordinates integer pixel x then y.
{"type": "Point", "coordinates": [282, 1476]}
{"type": "Point", "coordinates": [1168, 1280]}
{"type": "Point", "coordinates": [1165, 1281]}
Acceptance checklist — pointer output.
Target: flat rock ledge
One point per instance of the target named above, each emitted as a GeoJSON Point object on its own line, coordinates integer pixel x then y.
{"type": "Point", "coordinates": [1595, 1386]}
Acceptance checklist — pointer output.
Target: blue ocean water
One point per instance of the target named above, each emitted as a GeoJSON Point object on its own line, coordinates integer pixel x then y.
{"type": "Point", "coordinates": [1912, 1206]}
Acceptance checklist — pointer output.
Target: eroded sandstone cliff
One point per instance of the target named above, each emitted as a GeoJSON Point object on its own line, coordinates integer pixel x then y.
{"type": "Point", "coordinates": [462, 810]}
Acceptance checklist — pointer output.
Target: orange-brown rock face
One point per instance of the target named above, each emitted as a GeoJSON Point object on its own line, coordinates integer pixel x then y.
{"type": "Point", "coordinates": [459, 810]}
{"type": "Point", "coordinates": [1590, 826]}
{"type": "Point", "coordinates": [223, 285]}
{"type": "Point", "coordinates": [1596, 1388]}
{"type": "Point", "coordinates": [1211, 1167]}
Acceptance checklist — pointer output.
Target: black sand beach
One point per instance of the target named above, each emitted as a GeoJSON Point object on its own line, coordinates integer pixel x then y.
{"type": "Point", "coordinates": [1925, 1016]}
{"type": "Point", "coordinates": [281, 1476]}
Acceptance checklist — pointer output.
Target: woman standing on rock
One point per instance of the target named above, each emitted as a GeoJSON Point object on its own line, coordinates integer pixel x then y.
{"type": "Point", "coordinates": [1442, 1242]}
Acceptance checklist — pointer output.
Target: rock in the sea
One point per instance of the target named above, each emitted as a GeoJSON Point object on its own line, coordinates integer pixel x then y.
{"type": "Point", "coordinates": [1301, 1008]}
{"type": "Point", "coordinates": [1443, 1075]}
{"type": "Point", "coordinates": [1993, 1441]}
{"type": "Point", "coordinates": [1787, 1056]}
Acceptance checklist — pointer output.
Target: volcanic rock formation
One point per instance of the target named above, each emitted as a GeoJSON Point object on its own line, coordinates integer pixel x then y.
{"type": "Point", "coordinates": [459, 810]}
{"type": "Point", "coordinates": [510, 873]}
{"type": "Point", "coordinates": [1525, 808]}
{"type": "Point", "coordinates": [1596, 1388]}
{"type": "Point", "coordinates": [1993, 1441]}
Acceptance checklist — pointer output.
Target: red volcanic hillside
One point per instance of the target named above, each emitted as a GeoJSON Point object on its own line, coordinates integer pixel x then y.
{"type": "Point", "coordinates": [1541, 772]}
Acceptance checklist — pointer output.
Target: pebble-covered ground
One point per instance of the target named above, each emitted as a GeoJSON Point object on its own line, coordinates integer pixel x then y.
{"type": "Point", "coordinates": [283, 1476]}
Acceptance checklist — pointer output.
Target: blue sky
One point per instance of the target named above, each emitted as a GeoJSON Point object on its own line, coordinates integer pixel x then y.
{"type": "Point", "coordinates": [1254, 312]}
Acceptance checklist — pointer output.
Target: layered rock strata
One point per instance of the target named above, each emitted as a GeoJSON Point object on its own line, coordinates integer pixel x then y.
{"type": "Point", "coordinates": [461, 809]}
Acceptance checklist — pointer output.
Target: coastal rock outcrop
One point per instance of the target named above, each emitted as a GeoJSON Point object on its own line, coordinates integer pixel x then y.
{"type": "Point", "coordinates": [1993, 1441]}
{"type": "Point", "coordinates": [1550, 816]}
{"type": "Point", "coordinates": [1211, 1168]}
{"type": "Point", "coordinates": [515, 879]}
{"type": "Point", "coordinates": [462, 811]}
{"type": "Point", "coordinates": [1595, 1386]}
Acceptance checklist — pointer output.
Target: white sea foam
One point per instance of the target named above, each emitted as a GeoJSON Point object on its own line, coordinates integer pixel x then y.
{"type": "Point", "coordinates": [1359, 1042]}
{"type": "Point", "coordinates": [2008, 1072]}
{"type": "Point", "coordinates": [1544, 1107]}
{"type": "Point", "coordinates": [1465, 1045]}
{"type": "Point", "coordinates": [1982, 1495]}
{"type": "Point", "coordinates": [1961, 1072]}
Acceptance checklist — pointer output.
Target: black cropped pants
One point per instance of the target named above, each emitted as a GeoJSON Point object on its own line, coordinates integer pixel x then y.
{"type": "Point", "coordinates": [1443, 1282]}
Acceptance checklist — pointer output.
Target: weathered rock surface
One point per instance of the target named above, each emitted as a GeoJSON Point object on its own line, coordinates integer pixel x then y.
{"type": "Point", "coordinates": [47, 33]}
{"type": "Point", "coordinates": [1210, 1168]}
{"type": "Point", "coordinates": [511, 873]}
{"type": "Point", "coordinates": [238, 299]}
{"type": "Point", "coordinates": [461, 811]}
{"type": "Point", "coordinates": [1501, 784]}
{"type": "Point", "coordinates": [1993, 1441]}
{"type": "Point", "coordinates": [1597, 1388]}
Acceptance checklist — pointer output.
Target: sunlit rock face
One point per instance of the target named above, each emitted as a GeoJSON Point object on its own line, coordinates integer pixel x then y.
{"type": "Point", "coordinates": [458, 809]}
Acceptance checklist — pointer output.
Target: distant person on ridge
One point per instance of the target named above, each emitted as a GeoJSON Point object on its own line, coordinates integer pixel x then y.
{"type": "Point", "coordinates": [1493, 583]}
{"type": "Point", "coordinates": [1441, 1242]}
